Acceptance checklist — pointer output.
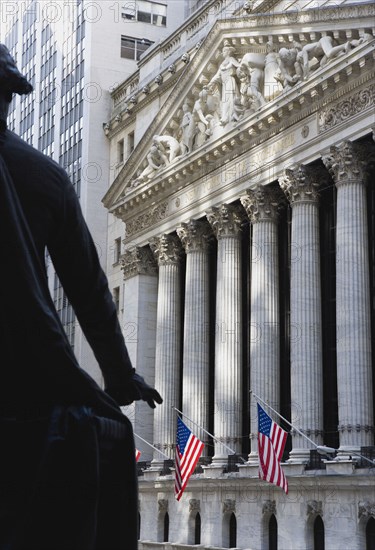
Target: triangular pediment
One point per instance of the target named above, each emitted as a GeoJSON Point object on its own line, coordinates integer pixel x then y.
{"type": "Point", "coordinates": [244, 66]}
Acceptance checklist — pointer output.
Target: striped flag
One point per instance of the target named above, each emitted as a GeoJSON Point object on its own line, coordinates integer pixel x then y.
{"type": "Point", "coordinates": [137, 455]}
{"type": "Point", "coordinates": [271, 443]}
{"type": "Point", "coordinates": [188, 450]}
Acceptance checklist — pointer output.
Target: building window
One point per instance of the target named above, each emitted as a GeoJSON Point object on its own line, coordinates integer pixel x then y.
{"type": "Point", "coordinates": [166, 527]}
{"type": "Point", "coordinates": [117, 250]}
{"type": "Point", "coordinates": [145, 12]}
{"type": "Point", "coordinates": [133, 48]}
{"type": "Point", "coordinates": [120, 151]}
{"type": "Point", "coordinates": [116, 298]}
{"type": "Point", "coordinates": [318, 534]}
{"type": "Point", "coordinates": [370, 534]}
{"type": "Point", "coordinates": [130, 147]}
{"type": "Point", "coordinates": [272, 533]}
{"type": "Point", "coordinates": [197, 533]}
{"type": "Point", "coordinates": [232, 531]}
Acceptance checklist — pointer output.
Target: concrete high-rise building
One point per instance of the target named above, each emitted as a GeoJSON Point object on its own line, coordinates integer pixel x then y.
{"type": "Point", "coordinates": [75, 53]}
{"type": "Point", "coordinates": [246, 211]}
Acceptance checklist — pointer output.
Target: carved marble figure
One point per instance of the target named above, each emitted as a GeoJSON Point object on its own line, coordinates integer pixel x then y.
{"type": "Point", "coordinates": [168, 145]}
{"type": "Point", "coordinates": [156, 159]}
{"type": "Point", "coordinates": [252, 64]}
{"type": "Point", "coordinates": [225, 78]}
{"type": "Point", "coordinates": [187, 129]}
{"type": "Point", "coordinates": [324, 50]}
{"type": "Point", "coordinates": [272, 87]}
{"type": "Point", "coordinates": [290, 70]}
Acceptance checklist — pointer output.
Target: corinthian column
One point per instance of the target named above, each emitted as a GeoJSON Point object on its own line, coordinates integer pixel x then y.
{"type": "Point", "coordinates": [195, 384]}
{"type": "Point", "coordinates": [354, 376]}
{"type": "Point", "coordinates": [226, 224]}
{"type": "Point", "coordinates": [300, 185]}
{"type": "Point", "coordinates": [139, 327]}
{"type": "Point", "coordinates": [261, 207]}
{"type": "Point", "coordinates": [167, 250]}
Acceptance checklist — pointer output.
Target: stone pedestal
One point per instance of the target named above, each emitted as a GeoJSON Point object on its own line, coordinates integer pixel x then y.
{"type": "Point", "coordinates": [354, 369]}
{"type": "Point", "coordinates": [300, 185]}
{"type": "Point", "coordinates": [226, 223]}
{"type": "Point", "coordinates": [261, 207]}
{"type": "Point", "coordinates": [167, 250]}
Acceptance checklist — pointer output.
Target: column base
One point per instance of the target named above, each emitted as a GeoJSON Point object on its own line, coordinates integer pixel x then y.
{"type": "Point", "coordinates": [299, 456]}
{"type": "Point", "coordinates": [348, 453]}
{"type": "Point", "coordinates": [253, 459]}
{"type": "Point", "coordinates": [152, 473]}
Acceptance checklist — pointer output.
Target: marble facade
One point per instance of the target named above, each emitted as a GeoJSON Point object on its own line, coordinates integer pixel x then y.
{"type": "Point", "coordinates": [247, 208]}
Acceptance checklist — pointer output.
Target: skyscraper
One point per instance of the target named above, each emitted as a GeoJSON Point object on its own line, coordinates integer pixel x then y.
{"type": "Point", "coordinates": [74, 53]}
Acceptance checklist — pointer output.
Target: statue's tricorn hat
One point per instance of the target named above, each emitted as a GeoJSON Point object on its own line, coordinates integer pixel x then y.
{"type": "Point", "coordinates": [11, 80]}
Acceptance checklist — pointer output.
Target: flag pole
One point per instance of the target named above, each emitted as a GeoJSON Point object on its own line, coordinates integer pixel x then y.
{"type": "Point", "coordinates": [205, 431]}
{"type": "Point", "coordinates": [282, 418]}
{"type": "Point", "coordinates": [149, 444]}
{"type": "Point", "coordinates": [322, 449]}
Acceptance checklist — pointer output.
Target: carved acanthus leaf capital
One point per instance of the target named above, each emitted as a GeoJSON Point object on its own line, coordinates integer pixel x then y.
{"type": "Point", "coordinates": [163, 505]}
{"type": "Point", "coordinates": [301, 183]}
{"type": "Point", "coordinates": [226, 220]}
{"type": "Point", "coordinates": [366, 510]}
{"type": "Point", "coordinates": [167, 249]}
{"type": "Point", "coordinates": [314, 508]}
{"type": "Point", "coordinates": [229, 505]}
{"type": "Point", "coordinates": [347, 162]}
{"type": "Point", "coordinates": [194, 505]}
{"type": "Point", "coordinates": [195, 235]}
{"type": "Point", "coordinates": [269, 507]}
{"type": "Point", "coordinates": [261, 204]}
{"type": "Point", "coordinates": [138, 261]}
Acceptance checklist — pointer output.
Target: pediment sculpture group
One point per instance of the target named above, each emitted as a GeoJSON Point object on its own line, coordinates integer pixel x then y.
{"type": "Point", "coordinates": [239, 87]}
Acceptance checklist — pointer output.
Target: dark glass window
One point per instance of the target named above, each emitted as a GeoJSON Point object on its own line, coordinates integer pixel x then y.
{"type": "Point", "coordinates": [272, 533]}
{"type": "Point", "coordinates": [318, 534]}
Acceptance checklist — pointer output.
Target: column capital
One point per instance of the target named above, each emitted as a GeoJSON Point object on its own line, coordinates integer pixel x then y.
{"type": "Point", "coordinates": [226, 220]}
{"type": "Point", "coordinates": [195, 235]}
{"type": "Point", "coordinates": [347, 162]}
{"type": "Point", "coordinates": [301, 183]}
{"type": "Point", "coordinates": [138, 261]}
{"type": "Point", "coordinates": [261, 204]}
{"type": "Point", "coordinates": [167, 249]}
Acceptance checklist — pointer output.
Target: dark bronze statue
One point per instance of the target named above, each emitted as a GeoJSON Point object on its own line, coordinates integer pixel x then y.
{"type": "Point", "coordinates": [68, 477]}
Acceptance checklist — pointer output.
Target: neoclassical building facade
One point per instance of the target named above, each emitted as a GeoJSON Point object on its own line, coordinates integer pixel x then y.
{"type": "Point", "coordinates": [243, 224]}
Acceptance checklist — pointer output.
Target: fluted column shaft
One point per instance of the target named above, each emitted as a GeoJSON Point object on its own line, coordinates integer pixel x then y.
{"type": "Point", "coordinates": [167, 250]}
{"type": "Point", "coordinates": [354, 374]}
{"type": "Point", "coordinates": [226, 224]}
{"type": "Point", "coordinates": [261, 207]}
{"type": "Point", "coordinates": [194, 236]}
{"type": "Point", "coordinates": [306, 364]}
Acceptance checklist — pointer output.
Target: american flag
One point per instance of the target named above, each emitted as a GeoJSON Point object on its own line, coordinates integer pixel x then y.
{"type": "Point", "coordinates": [137, 455]}
{"type": "Point", "coordinates": [271, 443]}
{"type": "Point", "coordinates": [188, 450]}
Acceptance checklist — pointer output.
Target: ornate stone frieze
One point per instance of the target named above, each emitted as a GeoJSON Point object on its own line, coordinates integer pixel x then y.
{"type": "Point", "coordinates": [147, 219]}
{"type": "Point", "coordinates": [167, 249]}
{"type": "Point", "coordinates": [366, 510]}
{"type": "Point", "coordinates": [138, 261]}
{"type": "Point", "coordinates": [195, 235]}
{"type": "Point", "coordinates": [346, 162]}
{"type": "Point", "coordinates": [301, 183]}
{"type": "Point", "coordinates": [194, 505]}
{"type": "Point", "coordinates": [229, 506]}
{"type": "Point", "coordinates": [314, 508]}
{"type": "Point", "coordinates": [261, 204]}
{"type": "Point", "coordinates": [329, 117]}
{"type": "Point", "coordinates": [269, 507]}
{"type": "Point", "coordinates": [162, 505]}
{"type": "Point", "coordinates": [226, 220]}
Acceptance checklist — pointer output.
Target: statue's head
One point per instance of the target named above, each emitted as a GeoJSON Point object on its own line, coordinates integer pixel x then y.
{"type": "Point", "coordinates": [287, 55]}
{"type": "Point", "coordinates": [11, 80]}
